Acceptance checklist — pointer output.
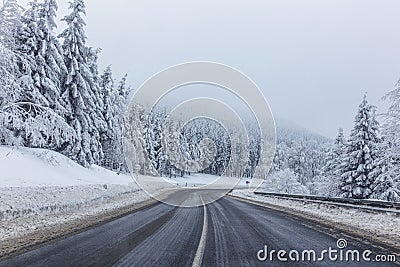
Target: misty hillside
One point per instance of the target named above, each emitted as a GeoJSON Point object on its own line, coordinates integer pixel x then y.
{"type": "Point", "coordinates": [299, 160]}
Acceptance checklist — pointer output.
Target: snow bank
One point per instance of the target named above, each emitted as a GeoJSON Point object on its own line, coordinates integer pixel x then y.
{"type": "Point", "coordinates": [16, 202]}
{"type": "Point", "coordinates": [34, 181]}
{"type": "Point", "coordinates": [27, 167]}
{"type": "Point", "coordinates": [41, 190]}
{"type": "Point", "coordinates": [40, 182]}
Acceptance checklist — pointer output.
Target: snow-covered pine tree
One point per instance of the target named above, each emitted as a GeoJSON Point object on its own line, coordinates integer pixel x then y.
{"type": "Point", "coordinates": [94, 86]}
{"type": "Point", "coordinates": [50, 65]}
{"type": "Point", "coordinates": [123, 89]}
{"type": "Point", "coordinates": [360, 153]}
{"type": "Point", "coordinates": [297, 160]}
{"type": "Point", "coordinates": [10, 22]}
{"type": "Point", "coordinates": [239, 155]}
{"type": "Point", "coordinates": [28, 46]}
{"type": "Point", "coordinates": [169, 146]}
{"type": "Point", "coordinates": [387, 184]}
{"type": "Point", "coordinates": [332, 169]}
{"type": "Point", "coordinates": [9, 70]}
{"type": "Point", "coordinates": [120, 96]}
{"type": "Point", "coordinates": [280, 159]}
{"type": "Point", "coordinates": [10, 91]}
{"type": "Point", "coordinates": [114, 104]}
{"type": "Point", "coordinates": [107, 136]}
{"type": "Point", "coordinates": [154, 138]}
{"type": "Point", "coordinates": [106, 88]}
{"type": "Point", "coordinates": [37, 42]}
{"type": "Point", "coordinates": [134, 143]}
{"type": "Point", "coordinates": [25, 116]}
{"type": "Point", "coordinates": [80, 95]}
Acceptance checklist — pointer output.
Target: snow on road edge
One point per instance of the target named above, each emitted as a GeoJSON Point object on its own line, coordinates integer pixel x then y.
{"type": "Point", "coordinates": [377, 226]}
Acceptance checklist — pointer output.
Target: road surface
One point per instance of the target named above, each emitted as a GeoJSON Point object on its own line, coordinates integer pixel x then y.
{"type": "Point", "coordinates": [228, 232]}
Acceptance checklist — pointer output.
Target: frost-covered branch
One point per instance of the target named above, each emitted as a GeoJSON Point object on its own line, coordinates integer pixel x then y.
{"type": "Point", "coordinates": [40, 126]}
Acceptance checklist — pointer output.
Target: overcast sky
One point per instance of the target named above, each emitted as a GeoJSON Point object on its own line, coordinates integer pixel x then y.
{"type": "Point", "coordinates": [313, 59]}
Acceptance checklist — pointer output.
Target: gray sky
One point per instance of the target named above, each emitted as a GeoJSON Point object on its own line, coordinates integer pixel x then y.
{"type": "Point", "coordinates": [313, 59]}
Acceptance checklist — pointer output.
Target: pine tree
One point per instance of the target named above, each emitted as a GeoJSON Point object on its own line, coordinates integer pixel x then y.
{"type": "Point", "coordinates": [107, 87]}
{"type": "Point", "coordinates": [360, 154]}
{"type": "Point", "coordinates": [387, 184]}
{"type": "Point", "coordinates": [114, 104]}
{"type": "Point", "coordinates": [123, 90]}
{"type": "Point", "coordinates": [154, 138]}
{"type": "Point", "coordinates": [134, 143]}
{"type": "Point", "coordinates": [94, 87]}
{"type": "Point", "coordinates": [80, 95]}
{"type": "Point", "coordinates": [170, 147]}
{"type": "Point", "coordinates": [107, 136]}
{"type": "Point", "coordinates": [25, 116]}
{"type": "Point", "coordinates": [10, 92]}
{"type": "Point", "coordinates": [28, 46]}
{"type": "Point", "coordinates": [120, 96]}
{"type": "Point", "coordinates": [51, 67]}
{"type": "Point", "coordinates": [10, 22]}
{"type": "Point", "coordinates": [12, 60]}
{"type": "Point", "coordinates": [332, 168]}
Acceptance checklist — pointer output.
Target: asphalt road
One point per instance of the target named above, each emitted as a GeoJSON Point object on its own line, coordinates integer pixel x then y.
{"type": "Point", "coordinates": [228, 232]}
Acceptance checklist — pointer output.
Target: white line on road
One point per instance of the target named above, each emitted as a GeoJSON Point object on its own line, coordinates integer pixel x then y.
{"type": "Point", "coordinates": [198, 258]}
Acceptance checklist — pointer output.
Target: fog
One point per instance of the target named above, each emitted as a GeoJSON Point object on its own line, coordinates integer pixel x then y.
{"type": "Point", "coordinates": [313, 59]}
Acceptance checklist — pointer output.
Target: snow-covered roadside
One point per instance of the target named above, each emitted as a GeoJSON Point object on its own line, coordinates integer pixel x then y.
{"type": "Point", "coordinates": [16, 202]}
{"type": "Point", "coordinates": [44, 195]}
{"type": "Point", "coordinates": [39, 182]}
{"type": "Point", "coordinates": [382, 227]}
{"type": "Point", "coordinates": [199, 180]}
{"type": "Point", "coordinates": [28, 167]}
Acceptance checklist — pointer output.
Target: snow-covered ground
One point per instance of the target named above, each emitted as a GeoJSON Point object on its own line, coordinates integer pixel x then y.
{"type": "Point", "coordinates": [41, 189]}
{"type": "Point", "coordinates": [26, 167]}
{"type": "Point", "coordinates": [39, 181]}
{"type": "Point", "coordinates": [194, 180]}
{"type": "Point", "coordinates": [198, 180]}
{"type": "Point", "coordinates": [375, 225]}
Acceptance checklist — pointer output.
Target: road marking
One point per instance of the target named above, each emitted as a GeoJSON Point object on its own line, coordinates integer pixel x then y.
{"type": "Point", "coordinates": [198, 258]}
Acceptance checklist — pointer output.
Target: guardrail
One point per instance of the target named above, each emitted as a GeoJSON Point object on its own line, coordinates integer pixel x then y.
{"type": "Point", "coordinates": [358, 202]}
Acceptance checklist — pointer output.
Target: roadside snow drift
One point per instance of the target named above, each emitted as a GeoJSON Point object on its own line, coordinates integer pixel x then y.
{"type": "Point", "coordinates": [42, 191]}
{"type": "Point", "coordinates": [40, 182]}
{"type": "Point", "coordinates": [25, 167]}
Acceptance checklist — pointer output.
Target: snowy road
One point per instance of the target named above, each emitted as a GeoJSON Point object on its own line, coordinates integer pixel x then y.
{"type": "Point", "coordinates": [162, 235]}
